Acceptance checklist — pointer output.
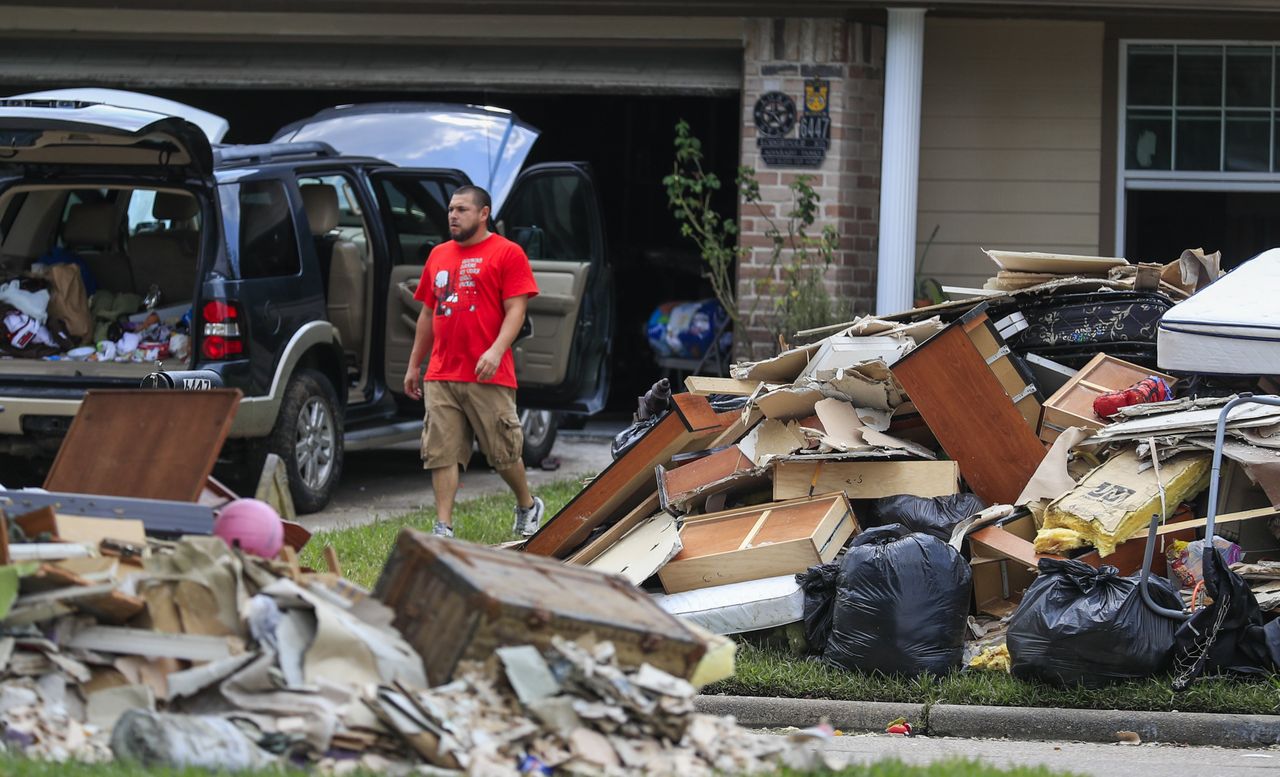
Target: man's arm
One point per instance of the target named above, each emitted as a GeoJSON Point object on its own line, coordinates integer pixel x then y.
{"type": "Point", "coordinates": [423, 337]}
{"type": "Point", "coordinates": [514, 309]}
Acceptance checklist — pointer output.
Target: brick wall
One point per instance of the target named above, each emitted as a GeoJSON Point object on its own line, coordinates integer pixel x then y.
{"type": "Point", "coordinates": [779, 55]}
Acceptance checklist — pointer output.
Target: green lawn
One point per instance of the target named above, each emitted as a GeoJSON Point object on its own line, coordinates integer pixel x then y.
{"type": "Point", "coordinates": [770, 670]}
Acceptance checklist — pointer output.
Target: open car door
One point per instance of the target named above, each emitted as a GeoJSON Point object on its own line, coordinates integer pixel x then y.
{"type": "Point", "coordinates": [414, 205]}
{"type": "Point", "coordinates": [553, 214]}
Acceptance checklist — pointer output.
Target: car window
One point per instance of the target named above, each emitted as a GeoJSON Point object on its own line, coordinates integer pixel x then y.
{"type": "Point", "coordinates": [549, 215]}
{"type": "Point", "coordinates": [351, 226]}
{"type": "Point", "coordinates": [416, 214]}
{"type": "Point", "coordinates": [78, 196]}
{"type": "Point", "coordinates": [140, 218]}
{"type": "Point", "coordinates": [257, 219]}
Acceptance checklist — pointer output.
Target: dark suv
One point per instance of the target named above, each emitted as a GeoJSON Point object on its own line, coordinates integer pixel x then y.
{"type": "Point", "coordinates": [290, 267]}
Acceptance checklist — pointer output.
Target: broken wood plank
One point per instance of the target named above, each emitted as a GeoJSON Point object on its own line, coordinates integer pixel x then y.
{"type": "Point", "coordinates": [331, 560]}
{"type": "Point", "coordinates": [643, 551]}
{"type": "Point", "coordinates": [152, 644]}
{"type": "Point", "coordinates": [1196, 523]}
{"type": "Point", "coordinates": [681, 487]}
{"type": "Point", "coordinates": [57, 584]}
{"type": "Point", "coordinates": [865, 479]}
{"type": "Point", "coordinates": [627, 481]}
{"type": "Point", "coordinates": [731, 387]}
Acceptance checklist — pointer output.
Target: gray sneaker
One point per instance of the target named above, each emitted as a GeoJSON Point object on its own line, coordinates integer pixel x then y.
{"type": "Point", "coordinates": [529, 519]}
{"type": "Point", "coordinates": [440, 530]}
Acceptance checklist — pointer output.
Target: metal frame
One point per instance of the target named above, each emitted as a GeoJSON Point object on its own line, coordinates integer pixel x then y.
{"type": "Point", "coordinates": [1215, 475]}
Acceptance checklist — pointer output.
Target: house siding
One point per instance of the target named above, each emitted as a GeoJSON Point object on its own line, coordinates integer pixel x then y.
{"type": "Point", "coordinates": [1011, 142]}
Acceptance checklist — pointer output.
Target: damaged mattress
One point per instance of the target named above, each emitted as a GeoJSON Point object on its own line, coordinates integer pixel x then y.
{"type": "Point", "coordinates": [739, 607]}
{"type": "Point", "coordinates": [1231, 327]}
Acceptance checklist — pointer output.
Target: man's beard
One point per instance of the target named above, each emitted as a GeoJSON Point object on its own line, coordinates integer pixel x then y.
{"type": "Point", "coordinates": [463, 235]}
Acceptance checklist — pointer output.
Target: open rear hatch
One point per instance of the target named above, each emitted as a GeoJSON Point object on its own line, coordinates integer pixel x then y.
{"type": "Point", "coordinates": [489, 145]}
{"type": "Point", "coordinates": [73, 137]}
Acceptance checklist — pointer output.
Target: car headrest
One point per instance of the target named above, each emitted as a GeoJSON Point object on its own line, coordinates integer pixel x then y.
{"type": "Point", "coordinates": [90, 225]}
{"type": "Point", "coordinates": [173, 206]}
{"type": "Point", "coordinates": [321, 203]}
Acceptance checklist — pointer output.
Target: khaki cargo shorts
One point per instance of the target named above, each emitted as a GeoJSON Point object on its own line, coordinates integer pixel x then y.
{"type": "Point", "coordinates": [459, 412]}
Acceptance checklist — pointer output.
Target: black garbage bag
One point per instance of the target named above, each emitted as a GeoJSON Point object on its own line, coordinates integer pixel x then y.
{"type": "Point", "coordinates": [632, 434]}
{"type": "Point", "coordinates": [1227, 635]}
{"type": "Point", "coordinates": [1078, 625]}
{"type": "Point", "coordinates": [902, 601]}
{"type": "Point", "coordinates": [936, 516]}
{"type": "Point", "coordinates": [819, 585]}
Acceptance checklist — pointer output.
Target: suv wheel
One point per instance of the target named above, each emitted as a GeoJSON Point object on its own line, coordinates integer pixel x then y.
{"type": "Point", "coordinates": [539, 427]}
{"type": "Point", "coordinates": [308, 437]}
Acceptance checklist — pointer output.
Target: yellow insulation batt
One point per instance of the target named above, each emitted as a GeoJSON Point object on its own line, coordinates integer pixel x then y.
{"type": "Point", "coordinates": [1115, 501]}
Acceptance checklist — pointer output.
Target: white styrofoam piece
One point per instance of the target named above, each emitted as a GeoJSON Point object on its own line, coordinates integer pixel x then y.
{"type": "Point", "coordinates": [739, 607]}
{"type": "Point", "coordinates": [1230, 327]}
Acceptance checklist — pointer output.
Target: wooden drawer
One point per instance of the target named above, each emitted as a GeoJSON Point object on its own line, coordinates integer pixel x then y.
{"type": "Point", "coordinates": [766, 540]}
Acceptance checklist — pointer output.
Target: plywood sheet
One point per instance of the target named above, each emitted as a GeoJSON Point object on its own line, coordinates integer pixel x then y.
{"type": "Point", "coordinates": [968, 411]}
{"type": "Point", "coordinates": [144, 443]}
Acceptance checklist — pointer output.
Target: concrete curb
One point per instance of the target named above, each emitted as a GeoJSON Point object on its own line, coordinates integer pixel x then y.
{"type": "Point", "coordinates": [1029, 723]}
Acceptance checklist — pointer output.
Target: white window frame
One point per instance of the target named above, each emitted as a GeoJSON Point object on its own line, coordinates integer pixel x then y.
{"type": "Point", "coordinates": [1179, 180]}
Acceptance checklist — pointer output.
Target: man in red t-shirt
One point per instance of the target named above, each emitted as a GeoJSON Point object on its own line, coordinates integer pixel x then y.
{"type": "Point", "coordinates": [475, 290]}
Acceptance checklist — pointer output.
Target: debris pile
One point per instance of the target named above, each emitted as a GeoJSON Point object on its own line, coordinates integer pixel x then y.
{"type": "Point", "coordinates": [1019, 422]}
{"type": "Point", "coordinates": [574, 710]}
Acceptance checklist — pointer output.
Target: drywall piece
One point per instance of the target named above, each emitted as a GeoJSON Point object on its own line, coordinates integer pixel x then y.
{"type": "Point", "coordinates": [869, 385]}
{"type": "Point", "coordinates": [641, 553]}
{"type": "Point", "coordinates": [783, 368]}
{"type": "Point", "coordinates": [626, 523]}
{"type": "Point", "coordinates": [865, 479]}
{"type": "Point", "coordinates": [770, 439]}
{"type": "Point", "coordinates": [788, 403]}
{"type": "Point", "coordinates": [153, 644]}
{"type": "Point", "coordinates": [629, 479]}
{"type": "Point", "coordinates": [739, 607]}
{"type": "Point", "coordinates": [1115, 501]}
{"type": "Point", "coordinates": [760, 541]}
{"type": "Point", "coordinates": [969, 412]}
{"type": "Point", "coordinates": [1072, 405]}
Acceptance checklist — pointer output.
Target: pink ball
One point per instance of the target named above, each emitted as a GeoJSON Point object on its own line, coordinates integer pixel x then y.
{"type": "Point", "coordinates": [252, 523]}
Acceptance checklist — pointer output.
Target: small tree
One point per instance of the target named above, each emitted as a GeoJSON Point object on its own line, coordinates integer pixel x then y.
{"type": "Point", "coordinates": [798, 261]}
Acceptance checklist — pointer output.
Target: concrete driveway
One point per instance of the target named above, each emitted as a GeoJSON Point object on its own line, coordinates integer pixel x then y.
{"type": "Point", "coordinates": [389, 482]}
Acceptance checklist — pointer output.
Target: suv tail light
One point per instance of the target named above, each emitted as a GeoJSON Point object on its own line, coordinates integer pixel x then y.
{"type": "Point", "coordinates": [222, 337]}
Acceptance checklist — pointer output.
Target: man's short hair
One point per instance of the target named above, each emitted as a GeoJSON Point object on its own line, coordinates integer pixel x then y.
{"type": "Point", "coordinates": [479, 196]}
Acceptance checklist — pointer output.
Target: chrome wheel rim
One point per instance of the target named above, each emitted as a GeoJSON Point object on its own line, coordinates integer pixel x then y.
{"type": "Point", "coordinates": [535, 424]}
{"type": "Point", "coordinates": [315, 443]}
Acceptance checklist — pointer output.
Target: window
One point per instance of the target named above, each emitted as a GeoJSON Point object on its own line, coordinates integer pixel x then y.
{"type": "Point", "coordinates": [550, 217]}
{"type": "Point", "coordinates": [142, 217]}
{"type": "Point", "coordinates": [417, 214]}
{"type": "Point", "coordinates": [261, 241]}
{"type": "Point", "coordinates": [1200, 108]}
{"type": "Point", "coordinates": [350, 224]}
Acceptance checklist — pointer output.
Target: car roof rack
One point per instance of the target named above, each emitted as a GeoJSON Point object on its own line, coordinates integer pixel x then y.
{"type": "Point", "coordinates": [269, 152]}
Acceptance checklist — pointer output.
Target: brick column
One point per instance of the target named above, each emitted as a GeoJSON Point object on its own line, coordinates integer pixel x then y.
{"type": "Point", "coordinates": [780, 54]}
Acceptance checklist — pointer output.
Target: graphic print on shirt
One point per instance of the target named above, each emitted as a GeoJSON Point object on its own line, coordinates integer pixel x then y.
{"type": "Point", "coordinates": [468, 271]}
{"type": "Point", "coordinates": [445, 295]}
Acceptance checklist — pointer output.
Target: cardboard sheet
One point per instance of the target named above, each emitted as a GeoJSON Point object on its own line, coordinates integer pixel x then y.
{"type": "Point", "coordinates": [1051, 479]}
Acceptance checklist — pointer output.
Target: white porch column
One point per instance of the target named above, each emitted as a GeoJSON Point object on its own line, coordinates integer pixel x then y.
{"type": "Point", "coordinates": [900, 160]}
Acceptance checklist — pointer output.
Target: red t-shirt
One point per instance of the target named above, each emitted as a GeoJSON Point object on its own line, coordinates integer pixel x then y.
{"type": "Point", "coordinates": [467, 286]}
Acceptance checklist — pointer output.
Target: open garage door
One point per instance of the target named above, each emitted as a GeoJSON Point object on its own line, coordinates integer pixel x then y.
{"type": "Point", "coordinates": [547, 68]}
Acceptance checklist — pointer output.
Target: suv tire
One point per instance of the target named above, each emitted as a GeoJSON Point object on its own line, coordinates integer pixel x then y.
{"type": "Point", "coordinates": [308, 437]}
{"type": "Point", "coordinates": [539, 428]}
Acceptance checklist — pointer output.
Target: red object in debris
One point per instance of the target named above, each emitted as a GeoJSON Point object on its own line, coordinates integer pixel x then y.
{"type": "Point", "coordinates": [1149, 389]}
{"type": "Point", "coordinates": [902, 729]}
